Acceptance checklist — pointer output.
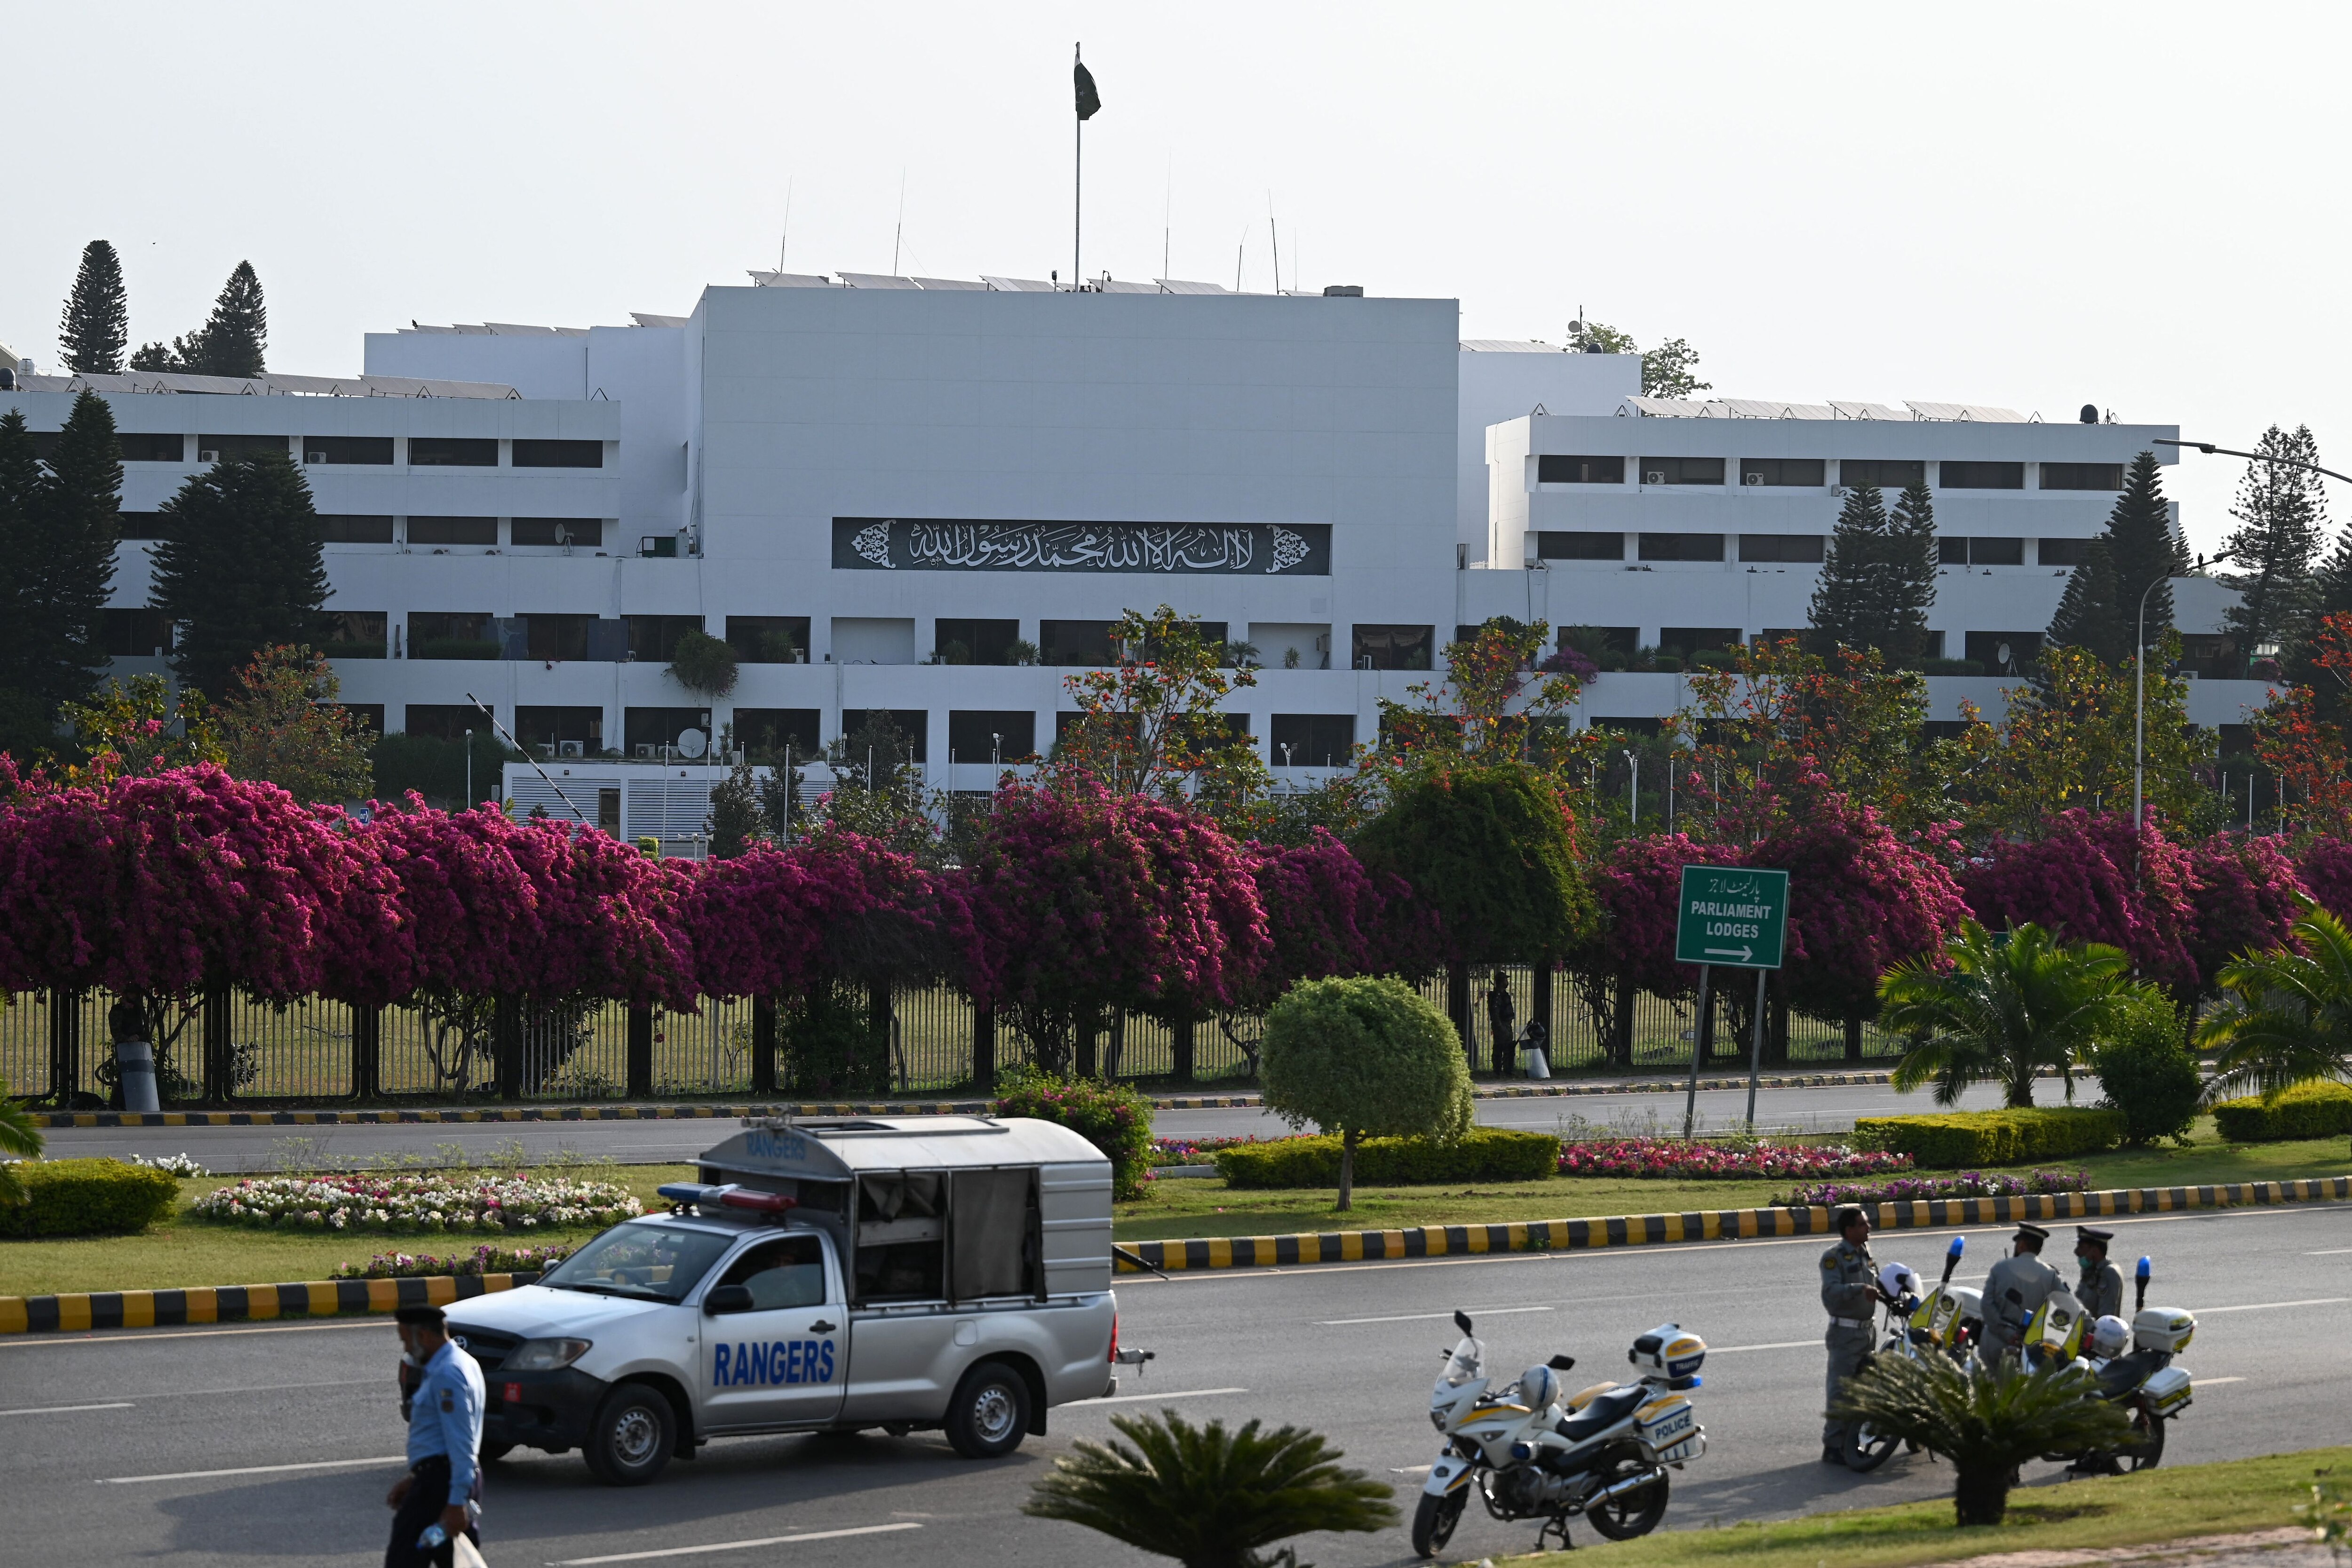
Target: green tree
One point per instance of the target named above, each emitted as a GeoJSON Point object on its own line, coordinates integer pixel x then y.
{"type": "Point", "coordinates": [2086, 618]}
{"type": "Point", "coordinates": [1365, 1057]}
{"type": "Point", "coordinates": [2147, 1072]}
{"type": "Point", "coordinates": [1153, 722]}
{"type": "Point", "coordinates": [97, 324]}
{"type": "Point", "coordinates": [735, 812]}
{"type": "Point", "coordinates": [1907, 584]}
{"type": "Point", "coordinates": [280, 721]}
{"type": "Point", "coordinates": [77, 512]}
{"type": "Point", "coordinates": [135, 727]}
{"type": "Point", "coordinates": [239, 568]}
{"type": "Point", "coordinates": [2281, 511]}
{"type": "Point", "coordinates": [25, 720]}
{"type": "Point", "coordinates": [1846, 610]}
{"type": "Point", "coordinates": [231, 341]}
{"type": "Point", "coordinates": [705, 664]}
{"type": "Point", "coordinates": [1207, 1496]}
{"type": "Point", "coordinates": [1493, 850]}
{"type": "Point", "coordinates": [2285, 1017]}
{"type": "Point", "coordinates": [2100, 609]}
{"type": "Point", "coordinates": [1670, 370]}
{"type": "Point", "coordinates": [19, 1135]}
{"type": "Point", "coordinates": [1987, 1420]}
{"type": "Point", "coordinates": [2000, 1009]}
{"type": "Point", "coordinates": [1598, 338]}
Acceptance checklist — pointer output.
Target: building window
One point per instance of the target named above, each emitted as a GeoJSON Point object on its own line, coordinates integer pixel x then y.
{"type": "Point", "coordinates": [1687, 641]}
{"type": "Point", "coordinates": [356, 634]}
{"type": "Point", "coordinates": [140, 525]}
{"type": "Point", "coordinates": [1987, 647]}
{"type": "Point", "coordinates": [2065, 551]}
{"type": "Point", "coordinates": [529, 454]}
{"type": "Point", "coordinates": [451, 634]}
{"type": "Point", "coordinates": [558, 636]}
{"type": "Point", "coordinates": [1886, 473]}
{"type": "Point", "coordinates": [444, 721]}
{"type": "Point", "coordinates": [960, 640]}
{"type": "Point", "coordinates": [1076, 642]}
{"type": "Point", "coordinates": [221, 448]}
{"type": "Point", "coordinates": [1391, 648]}
{"type": "Point", "coordinates": [653, 732]}
{"type": "Point", "coordinates": [1682, 470]}
{"type": "Point", "coordinates": [912, 726]}
{"type": "Point", "coordinates": [143, 633]}
{"type": "Point", "coordinates": [141, 446]}
{"type": "Point", "coordinates": [453, 531]}
{"type": "Point", "coordinates": [1555, 545]}
{"type": "Point", "coordinates": [2082, 476]}
{"type": "Point", "coordinates": [1783, 471]}
{"type": "Point", "coordinates": [1682, 547]}
{"type": "Point", "coordinates": [573, 530]}
{"type": "Point", "coordinates": [370, 449]}
{"type": "Point", "coordinates": [550, 730]}
{"type": "Point", "coordinates": [344, 528]}
{"type": "Point", "coordinates": [766, 731]}
{"type": "Point", "coordinates": [1952, 476]}
{"type": "Point", "coordinates": [1558, 470]}
{"type": "Point", "coordinates": [1962, 551]}
{"type": "Point", "coordinates": [653, 639]}
{"type": "Point", "coordinates": [768, 639]}
{"type": "Point", "coordinates": [979, 736]}
{"type": "Point", "coordinates": [1802, 547]}
{"type": "Point", "coordinates": [1312, 739]}
{"type": "Point", "coordinates": [452, 452]}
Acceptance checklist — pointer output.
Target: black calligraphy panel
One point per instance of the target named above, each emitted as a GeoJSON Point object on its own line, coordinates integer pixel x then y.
{"type": "Point", "coordinates": [970, 544]}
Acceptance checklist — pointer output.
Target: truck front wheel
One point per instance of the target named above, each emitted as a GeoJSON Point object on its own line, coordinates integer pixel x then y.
{"type": "Point", "coordinates": [631, 1437]}
{"type": "Point", "coordinates": [989, 1413]}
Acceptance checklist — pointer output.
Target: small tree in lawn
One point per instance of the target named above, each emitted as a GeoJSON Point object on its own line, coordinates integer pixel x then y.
{"type": "Point", "coordinates": [1365, 1057]}
{"type": "Point", "coordinates": [2285, 1015]}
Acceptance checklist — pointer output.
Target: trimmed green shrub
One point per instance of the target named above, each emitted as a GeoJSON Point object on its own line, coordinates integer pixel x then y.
{"type": "Point", "coordinates": [88, 1197]}
{"type": "Point", "coordinates": [1967, 1138]}
{"type": "Point", "coordinates": [1484, 1154]}
{"type": "Point", "coordinates": [2307, 1111]}
{"type": "Point", "coordinates": [1365, 1057]}
{"type": "Point", "coordinates": [1114, 1119]}
{"type": "Point", "coordinates": [2147, 1073]}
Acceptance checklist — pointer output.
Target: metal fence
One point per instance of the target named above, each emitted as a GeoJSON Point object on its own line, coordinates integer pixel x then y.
{"type": "Point", "coordinates": [305, 1052]}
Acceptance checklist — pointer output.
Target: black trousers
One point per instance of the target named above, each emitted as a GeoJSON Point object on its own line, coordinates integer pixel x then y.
{"type": "Point", "coordinates": [428, 1494]}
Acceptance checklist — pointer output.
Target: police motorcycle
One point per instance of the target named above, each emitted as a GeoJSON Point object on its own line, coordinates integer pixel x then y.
{"type": "Point", "coordinates": [2134, 1367]}
{"type": "Point", "coordinates": [1917, 1326]}
{"type": "Point", "coordinates": [1531, 1451]}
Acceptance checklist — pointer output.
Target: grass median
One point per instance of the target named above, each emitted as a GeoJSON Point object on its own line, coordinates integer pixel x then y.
{"type": "Point", "coordinates": [2173, 1503]}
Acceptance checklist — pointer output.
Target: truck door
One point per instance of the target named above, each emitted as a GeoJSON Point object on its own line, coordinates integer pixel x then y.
{"type": "Point", "coordinates": [786, 1359]}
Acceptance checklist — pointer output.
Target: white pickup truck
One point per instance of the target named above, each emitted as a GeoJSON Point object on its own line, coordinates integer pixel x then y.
{"type": "Point", "coordinates": [905, 1273]}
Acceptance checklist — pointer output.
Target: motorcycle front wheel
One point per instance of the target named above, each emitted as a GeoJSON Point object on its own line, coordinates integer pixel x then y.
{"type": "Point", "coordinates": [1434, 1520]}
{"type": "Point", "coordinates": [1636, 1514]}
{"type": "Point", "coordinates": [1870, 1449]}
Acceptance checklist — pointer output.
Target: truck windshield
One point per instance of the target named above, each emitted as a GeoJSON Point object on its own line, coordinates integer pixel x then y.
{"type": "Point", "coordinates": [654, 1262]}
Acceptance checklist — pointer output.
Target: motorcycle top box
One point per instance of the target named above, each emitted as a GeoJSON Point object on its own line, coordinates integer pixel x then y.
{"type": "Point", "coordinates": [2167, 1391]}
{"type": "Point", "coordinates": [1669, 1350]}
{"type": "Point", "coordinates": [2165, 1328]}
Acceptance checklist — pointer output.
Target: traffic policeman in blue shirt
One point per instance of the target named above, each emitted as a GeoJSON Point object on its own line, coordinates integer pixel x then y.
{"type": "Point", "coordinates": [443, 1485]}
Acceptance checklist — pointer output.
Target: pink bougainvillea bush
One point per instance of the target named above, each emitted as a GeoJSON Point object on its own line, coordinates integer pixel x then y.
{"type": "Point", "coordinates": [2325, 868]}
{"type": "Point", "coordinates": [1673, 1158]}
{"type": "Point", "coordinates": [1861, 900]}
{"type": "Point", "coordinates": [775, 922]}
{"type": "Point", "coordinates": [1639, 885]}
{"type": "Point", "coordinates": [2088, 879]}
{"type": "Point", "coordinates": [2246, 898]}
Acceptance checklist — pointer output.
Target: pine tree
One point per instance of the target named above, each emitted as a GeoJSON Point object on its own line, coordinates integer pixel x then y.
{"type": "Point", "coordinates": [1849, 596]}
{"type": "Point", "coordinates": [2086, 610]}
{"type": "Point", "coordinates": [2101, 607]}
{"type": "Point", "coordinates": [239, 568]}
{"type": "Point", "coordinates": [231, 343]}
{"type": "Point", "coordinates": [2282, 514]}
{"type": "Point", "coordinates": [77, 510]}
{"type": "Point", "coordinates": [1907, 584]}
{"type": "Point", "coordinates": [24, 722]}
{"type": "Point", "coordinates": [97, 324]}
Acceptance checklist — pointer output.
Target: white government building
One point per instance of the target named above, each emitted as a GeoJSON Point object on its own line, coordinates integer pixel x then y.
{"type": "Point", "coordinates": [880, 488]}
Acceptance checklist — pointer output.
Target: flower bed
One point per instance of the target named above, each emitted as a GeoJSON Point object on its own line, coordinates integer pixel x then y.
{"type": "Point", "coordinates": [1672, 1159]}
{"type": "Point", "coordinates": [1193, 1150]}
{"type": "Point", "coordinates": [487, 1258]}
{"type": "Point", "coordinates": [1923, 1189]}
{"type": "Point", "coordinates": [183, 1165]}
{"type": "Point", "coordinates": [457, 1201]}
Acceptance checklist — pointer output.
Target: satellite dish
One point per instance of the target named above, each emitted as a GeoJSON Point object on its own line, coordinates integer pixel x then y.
{"type": "Point", "coordinates": [690, 743]}
{"type": "Point", "coordinates": [2000, 655]}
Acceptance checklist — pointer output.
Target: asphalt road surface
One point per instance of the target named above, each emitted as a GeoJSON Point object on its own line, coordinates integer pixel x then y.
{"type": "Point", "coordinates": [277, 1442]}
{"type": "Point", "coordinates": [234, 1149]}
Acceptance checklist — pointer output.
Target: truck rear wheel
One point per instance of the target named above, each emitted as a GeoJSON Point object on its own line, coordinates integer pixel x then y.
{"type": "Point", "coordinates": [631, 1437]}
{"type": "Point", "coordinates": [989, 1412]}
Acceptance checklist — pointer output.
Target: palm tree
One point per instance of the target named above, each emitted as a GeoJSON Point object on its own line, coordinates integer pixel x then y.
{"type": "Point", "coordinates": [2285, 1017]}
{"type": "Point", "coordinates": [1986, 1420]}
{"type": "Point", "coordinates": [1207, 1496]}
{"type": "Point", "coordinates": [19, 1135]}
{"type": "Point", "coordinates": [1998, 1009]}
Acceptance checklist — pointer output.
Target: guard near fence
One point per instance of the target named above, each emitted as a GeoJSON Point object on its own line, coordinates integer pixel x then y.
{"type": "Point", "coordinates": [2015, 1291]}
{"type": "Point", "coordinates": [442, 1492]}
{"type": "Point", "coordinates": [1850, 1296]}
{"type": "Point", "coordinates": [2102, 1289]}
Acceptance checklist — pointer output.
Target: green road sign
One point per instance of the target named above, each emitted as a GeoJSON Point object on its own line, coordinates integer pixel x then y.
{"type": "Point", "coordinates": [1732, 916]}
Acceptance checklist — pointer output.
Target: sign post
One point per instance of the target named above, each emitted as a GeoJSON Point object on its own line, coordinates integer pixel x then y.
{"type": "Point", "coordinates": [1738, 918]}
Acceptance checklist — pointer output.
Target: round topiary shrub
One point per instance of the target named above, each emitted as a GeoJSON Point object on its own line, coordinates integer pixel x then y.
{"type": "Point", "coordinates": [2147, 1073]}
{"type": "Point", "coordinates": [1364, 1057]}
{"type": "Point", "coordinates": [704, 663]}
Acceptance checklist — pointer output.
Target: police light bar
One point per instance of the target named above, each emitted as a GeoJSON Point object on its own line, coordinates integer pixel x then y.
{"type": "Point", "coordinates": [726, 1196]}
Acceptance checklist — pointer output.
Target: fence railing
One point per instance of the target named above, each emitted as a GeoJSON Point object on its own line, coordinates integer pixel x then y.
{"type": "Point", "coordinates": [316, 1050]}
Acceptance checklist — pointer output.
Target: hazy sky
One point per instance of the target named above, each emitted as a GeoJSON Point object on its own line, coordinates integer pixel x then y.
{"type": "Point", "coordinates": [2038, 206]}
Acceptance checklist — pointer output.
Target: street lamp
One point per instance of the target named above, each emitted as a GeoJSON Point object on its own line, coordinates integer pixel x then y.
{"type": "Point", "coordinates": [2209, 450]}
{"type": "Point", "coordinates": [1635, 762]}
{"type": "Point", "coordinates": [2139, 683]}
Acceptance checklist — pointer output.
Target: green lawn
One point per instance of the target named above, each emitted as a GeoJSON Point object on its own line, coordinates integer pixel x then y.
{"type": "Point", "coordinates": [2171, 1503]}
{"type": "Point", "coordinates": [1193, 1206]}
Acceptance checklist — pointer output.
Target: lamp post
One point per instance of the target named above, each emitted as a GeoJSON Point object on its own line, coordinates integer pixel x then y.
{"type": "Point", "coordinates": [1635, 763]}
{"type": "Point", "coordinates": [2139, 685]}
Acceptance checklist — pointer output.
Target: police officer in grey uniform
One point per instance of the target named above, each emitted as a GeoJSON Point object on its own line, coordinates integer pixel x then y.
{"type": "Point", "coordinates": [2015, 1291]}
{"type": "Point", "coordinates": [1850, 1296]}
{"type": "Point", "coordinates": [2102, 1289]}
{"type": "Point", "coordinates": [445, 1444]}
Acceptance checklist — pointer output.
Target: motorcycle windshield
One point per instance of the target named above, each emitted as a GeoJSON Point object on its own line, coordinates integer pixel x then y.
{"type": "Point", "coordinates": [1463, 1365]}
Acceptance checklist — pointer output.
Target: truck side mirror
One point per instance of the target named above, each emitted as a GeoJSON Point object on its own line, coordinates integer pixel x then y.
{"type": "Point", "coordinates": [728, 1299]}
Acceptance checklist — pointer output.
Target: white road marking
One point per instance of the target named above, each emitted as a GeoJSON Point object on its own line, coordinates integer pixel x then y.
{"type": "Point", "coordinates": [2266, 1306]}
{"type": "Point", "coordinates": [251, 1471]}
{"type": "Point", "coordinates": [1781, 1345]}
{"type": "Point", "coordinates": [29, 1341]}
{"type": "Point", "coordinates": [734, 1545]}
{"type": "Point", "coordinates": [1141, 1398]}
{"type": "Point", "coordinates": [2329, 1252]}
{"type": "Point", "coordinates": [1411, 1470]}
{"type": "Point", "coordinates": [1428, 1317]}
{"type": "Point", "coordinates": [65, 1409]}
{"type": "Point", "coordinates": [2212, 1382]}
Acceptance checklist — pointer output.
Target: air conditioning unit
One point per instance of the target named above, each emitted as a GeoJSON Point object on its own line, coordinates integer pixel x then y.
{"type": "Point", "coordinates": [314, 457]}
{"type": "Point", "coordinates": [569, 749]}
{"type": "Point", "coordinates": [644, 753]}
{"type": "Point", "coordinates": [204, 456]}
{"type": "Point", "coordinates": [1752, 478]}
{"type": "Point", "coordinates": [1653, 477]}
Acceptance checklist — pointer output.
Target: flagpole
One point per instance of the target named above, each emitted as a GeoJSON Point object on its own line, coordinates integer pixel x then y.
{"type": "Point", "coordinates": [1077, 184]}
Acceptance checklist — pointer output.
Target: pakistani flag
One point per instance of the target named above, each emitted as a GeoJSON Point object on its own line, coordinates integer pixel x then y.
{"type": "Point", "coordinates": [1089, 100]}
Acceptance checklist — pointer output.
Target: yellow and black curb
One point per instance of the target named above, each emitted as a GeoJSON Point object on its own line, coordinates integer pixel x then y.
{"type": "Point", "coordinates": [454, 1115]}
{"type": "Point", "coordinates": [1719, 1225]}
{"type": "Point", "coordinates": [241, 1304]}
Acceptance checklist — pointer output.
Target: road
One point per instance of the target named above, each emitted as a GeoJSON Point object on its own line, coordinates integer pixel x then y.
{"type": "Point", "coordinates": [275, 1442]}
{"type": "Point", "coordinates": [236, 1148]}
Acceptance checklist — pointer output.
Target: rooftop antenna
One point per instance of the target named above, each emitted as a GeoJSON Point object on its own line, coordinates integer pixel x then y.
{"type": "Point", "coordinates": [1237, 257]}
{"type": "Point", "coordinates": [900, 232]}
{"type": "Point", "coordinates": [785, 242]}
{"type": "Point", "coordinates": [1168, 214]}
{"type": "Point", "coordinates": [1275, 237]}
